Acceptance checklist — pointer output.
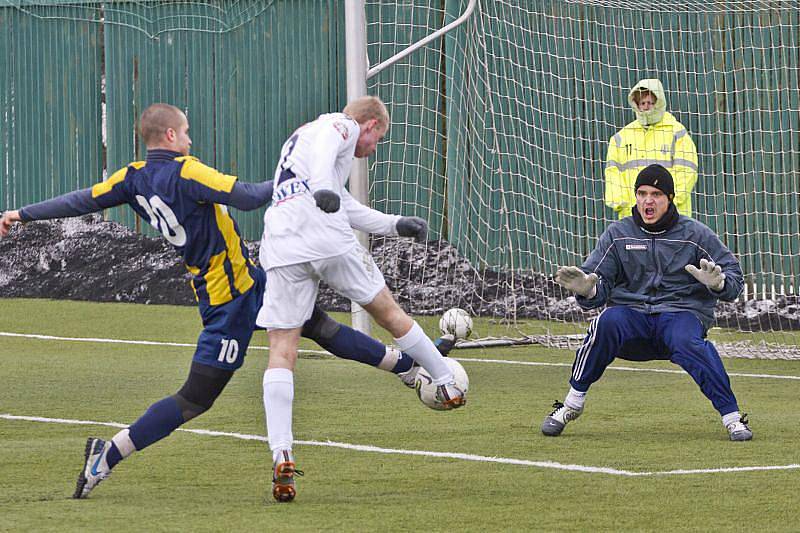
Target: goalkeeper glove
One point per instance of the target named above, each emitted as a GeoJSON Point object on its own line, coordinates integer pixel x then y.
{"type": "Point", "coordinates": [327, 200]}
{"type": "Point", "coordinates": [709, 274]}
{"type": "Point", "coordinates": [574, 279]}
{"type": "Point", "coordinates": [412, 227]}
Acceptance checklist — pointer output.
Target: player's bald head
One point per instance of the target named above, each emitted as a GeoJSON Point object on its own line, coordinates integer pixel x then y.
{"type": "Point", "coordinates": [155, 121]}
{"type": "Point", "coordinates": [368, 108]}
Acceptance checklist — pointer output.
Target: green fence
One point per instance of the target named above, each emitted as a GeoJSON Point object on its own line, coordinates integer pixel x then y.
{"type": "Point", "coordinates": [247, 74]}
{"type": "Point", "coordinates": [50, 102]}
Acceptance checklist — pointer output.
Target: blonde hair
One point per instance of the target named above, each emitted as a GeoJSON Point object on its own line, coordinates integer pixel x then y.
{"type": "Point", "coordinates": [366, 108]}
{"type": "Point", "coordinates": [155, 121]}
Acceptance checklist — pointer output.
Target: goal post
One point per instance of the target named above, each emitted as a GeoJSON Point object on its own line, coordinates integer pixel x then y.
{"type": "Point", "coordinates": [356, 51]}
{"type": "Point", "coordinates": [500, 131]}
{"type": "Point", "coordinates": [358, 72]}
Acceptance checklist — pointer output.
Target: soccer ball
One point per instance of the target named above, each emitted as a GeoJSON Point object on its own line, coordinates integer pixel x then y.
{"type": "Point", "coordinates": [456, 322]}
{"type": "Point", "coordinates": [426, 390]}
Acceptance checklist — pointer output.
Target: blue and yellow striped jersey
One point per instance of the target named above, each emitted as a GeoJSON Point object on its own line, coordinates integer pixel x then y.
{"type": "Point", "coordinates": [185, 200]}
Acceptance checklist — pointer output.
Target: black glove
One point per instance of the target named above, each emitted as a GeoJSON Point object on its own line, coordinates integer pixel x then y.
{"type": "Point", "coordinates": [327, 200]}
{"type": "Point", "coordinates": [412, 227]}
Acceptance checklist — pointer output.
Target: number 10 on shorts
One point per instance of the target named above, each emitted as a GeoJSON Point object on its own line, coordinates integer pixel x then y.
{"type": "Point", "coordinates": [229, 351]}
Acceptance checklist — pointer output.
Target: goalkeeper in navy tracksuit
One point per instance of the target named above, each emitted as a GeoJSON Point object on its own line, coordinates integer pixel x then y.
{"type": "Point", "coordinates": [187, 202]}
{"type": "Point", "coordinates": [659, 303]}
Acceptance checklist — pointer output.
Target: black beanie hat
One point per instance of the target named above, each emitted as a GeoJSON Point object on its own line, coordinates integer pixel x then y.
{"type": "Point", "coordinates": [658, 177]}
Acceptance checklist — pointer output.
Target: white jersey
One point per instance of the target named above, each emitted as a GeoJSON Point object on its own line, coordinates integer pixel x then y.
{"type": "Point", "coordinates": [318, 155]}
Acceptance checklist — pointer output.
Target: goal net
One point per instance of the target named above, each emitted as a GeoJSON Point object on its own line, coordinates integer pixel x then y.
{"type": "Point", "coordinates": [499, 137]}
{"type": "Point", "coordinates": [499, 129]}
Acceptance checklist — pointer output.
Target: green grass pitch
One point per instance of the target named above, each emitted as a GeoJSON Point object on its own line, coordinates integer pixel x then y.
{"type": "Point", "coordinates": [635, 422]}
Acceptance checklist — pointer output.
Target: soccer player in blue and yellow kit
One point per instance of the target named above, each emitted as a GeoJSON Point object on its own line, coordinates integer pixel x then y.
{"type": "Point", "coordinates": [187, 202]}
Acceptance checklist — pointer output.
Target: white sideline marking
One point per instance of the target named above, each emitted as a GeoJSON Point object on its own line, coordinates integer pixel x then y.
{"type": "Point", "coordinates": [424, 453]}
{"type": "Point", "coordinates": [122, 341]}
{"type": "Point", "coordinates": [465, 359]}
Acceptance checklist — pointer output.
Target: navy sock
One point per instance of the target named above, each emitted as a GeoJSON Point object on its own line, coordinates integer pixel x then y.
{"type": "Point", "coordinates": [161, 419]}
{"type": "Point", "coordinates": [403, 364]}
{"type": "Point", "coordinates": [113, 456]}
{"type": "Point", "coordinates": [350, 344]}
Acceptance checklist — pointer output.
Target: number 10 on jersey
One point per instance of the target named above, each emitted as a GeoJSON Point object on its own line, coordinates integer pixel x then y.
{"type": "Point", "coordinates": [229, 351]}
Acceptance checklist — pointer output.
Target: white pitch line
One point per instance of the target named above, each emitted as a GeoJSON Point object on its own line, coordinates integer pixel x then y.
{"type": "Point", "coordinates": [124, 341]}
{"type": "Point", "coordinates": [323, 352]}
{"type": "Point", "coordinates": [424, 453]}
{"type": "Point", "coordinates": [624, 368]}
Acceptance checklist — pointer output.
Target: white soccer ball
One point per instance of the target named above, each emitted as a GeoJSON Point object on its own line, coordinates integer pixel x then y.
{"type": "Point", "coordinates": [456, 322]}
{"type": "Point", "coordinates": [426, 390]}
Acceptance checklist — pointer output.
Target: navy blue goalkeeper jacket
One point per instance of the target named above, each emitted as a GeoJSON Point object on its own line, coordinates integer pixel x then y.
{"type": "Point", "coordinates": [645, 271]}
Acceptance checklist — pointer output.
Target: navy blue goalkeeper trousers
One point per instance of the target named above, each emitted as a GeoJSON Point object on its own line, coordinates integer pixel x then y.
{"type": "Point", "coordinates": [678, 337]}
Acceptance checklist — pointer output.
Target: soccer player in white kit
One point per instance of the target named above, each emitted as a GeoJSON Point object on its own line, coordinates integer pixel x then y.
{"type": "Point", "coordinates": [308, 237]}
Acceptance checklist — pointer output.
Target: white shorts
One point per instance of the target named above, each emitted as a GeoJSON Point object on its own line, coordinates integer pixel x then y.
{"type": "Point", "coordinates": [292, 290]}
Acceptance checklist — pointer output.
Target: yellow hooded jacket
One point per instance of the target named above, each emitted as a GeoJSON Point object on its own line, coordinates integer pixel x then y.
{"type": "Point", "coordinates": [654, 137]}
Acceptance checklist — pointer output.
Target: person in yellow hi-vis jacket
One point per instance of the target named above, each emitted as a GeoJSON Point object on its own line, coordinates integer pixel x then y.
{"type": "Point", "coordinates": [655, 137]}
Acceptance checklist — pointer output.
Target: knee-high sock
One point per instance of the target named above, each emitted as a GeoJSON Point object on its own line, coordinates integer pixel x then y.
{"type": "Point", "coordinates": [161, 419]}
{"type": "Point", "coordinates": [416, 344]}
{"type": "Point", "coordinates": [278, 397]}
{"type": "Point", "coordinates": [348, 343]}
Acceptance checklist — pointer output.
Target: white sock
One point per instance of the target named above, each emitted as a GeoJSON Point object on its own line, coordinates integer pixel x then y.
{"type": "Point", "coordinates": [124, 443]}
{"type": "Point", "coordinates": [730, 418]}
{"type": "Point", "coordinates": [278, 397]}
{"type": "Point", "coordinates": [575, 399]}
{"type": "Point", "coordinates": [390, 359]}
{"type": "Point", "coordinates": [416, 344]}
